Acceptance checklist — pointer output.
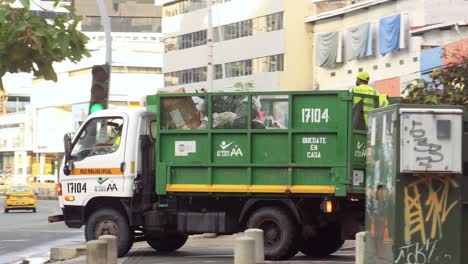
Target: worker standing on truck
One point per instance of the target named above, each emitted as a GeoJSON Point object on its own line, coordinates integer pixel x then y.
{"type": "Point", "coordinates": [362, 87]}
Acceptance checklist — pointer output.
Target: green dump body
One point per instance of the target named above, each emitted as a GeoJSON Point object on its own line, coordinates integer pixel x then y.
{"type": "Point", "coordinates": [258, 143]}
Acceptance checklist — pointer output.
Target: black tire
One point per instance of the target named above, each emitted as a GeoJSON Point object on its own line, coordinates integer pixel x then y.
{"type": "Point", "coordinates": [327, 242]}
{"type": "Point", "coordinates": [108, 221]}
{"type": "Point", "coordinates": [279, 229]}
{"type": "Point", "coordinates": [34, 210]}
{"type": "Point", "coordinates": [6, 211]}
{"type": "Point", "coordinates": [167, 242]}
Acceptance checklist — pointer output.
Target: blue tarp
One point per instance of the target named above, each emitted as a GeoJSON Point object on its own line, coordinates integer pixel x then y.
{"type": "Point", "coordinates": [389, 34]}
{"type": "Point", "coordinates": [429, 60]}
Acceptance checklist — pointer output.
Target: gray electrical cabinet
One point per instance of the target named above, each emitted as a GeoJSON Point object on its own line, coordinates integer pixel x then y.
{"type": "Point", "coordinates": [413, 197]}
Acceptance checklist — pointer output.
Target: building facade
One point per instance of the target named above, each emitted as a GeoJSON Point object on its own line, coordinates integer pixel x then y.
{"type": "Point", "coordinates": [258, 45]}
{"type": "Point", "coordinates": [395, 41]}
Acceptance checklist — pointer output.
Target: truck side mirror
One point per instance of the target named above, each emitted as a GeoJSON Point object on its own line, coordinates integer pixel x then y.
{"type": "Point", "coordinates": [67, 149]}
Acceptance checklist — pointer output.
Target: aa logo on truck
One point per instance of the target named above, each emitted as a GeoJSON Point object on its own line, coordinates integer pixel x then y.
{"type": "Point", "coordinates": [360, 150]}
{"type": "Point", "coordinates": [225, 152]}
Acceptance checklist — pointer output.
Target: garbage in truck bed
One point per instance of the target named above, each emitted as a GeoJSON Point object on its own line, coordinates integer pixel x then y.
{"type": "Point", "coordinates": [180, 112]}
{"type": "Point", "coordinates": [228, 112]}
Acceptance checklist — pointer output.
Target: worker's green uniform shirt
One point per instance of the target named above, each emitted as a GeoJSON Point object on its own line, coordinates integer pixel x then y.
{"type": "Point", "coordinates": [116, 143]}
{"type": "Point", "coordinates": [368, 102]}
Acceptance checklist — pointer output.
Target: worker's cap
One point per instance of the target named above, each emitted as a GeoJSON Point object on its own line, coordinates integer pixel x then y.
{"type": "Point", "coordinates": [363, 76]}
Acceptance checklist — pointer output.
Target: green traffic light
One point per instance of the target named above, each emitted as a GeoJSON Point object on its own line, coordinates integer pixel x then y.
{"type": "Point", "coordinates": [95, 107]}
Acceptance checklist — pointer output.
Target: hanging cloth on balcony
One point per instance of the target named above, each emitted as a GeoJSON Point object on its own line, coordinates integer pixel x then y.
{"type": "Point", "coordinates": [328, 49]}
{"type": "Point", "coordinates": [359, 41]}
{"type": "Point", "coordinates": [389, 34]}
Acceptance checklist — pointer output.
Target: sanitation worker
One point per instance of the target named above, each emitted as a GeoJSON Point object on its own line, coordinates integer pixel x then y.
{"type": "Point", "coordinates": [362, 87]}
{"type": "Point", "coordinates": [116, 143]}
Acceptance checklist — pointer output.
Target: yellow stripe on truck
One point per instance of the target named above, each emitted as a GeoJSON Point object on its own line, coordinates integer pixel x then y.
{"type": "Point", "coordinates": [225, 188]}
{"type": "Point", "coordinates": [95, 171]}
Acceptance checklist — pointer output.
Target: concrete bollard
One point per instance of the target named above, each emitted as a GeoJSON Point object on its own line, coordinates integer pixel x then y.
{"type": "Point", "coordinates": [360, 247]}
{"type": "Point", "coordinates": [257, 235]}
{"type": "Point", "coordinates": [111, 248]}
{"type": "Point", "coordinates": [244, 250]}
{"type": "Point", "coordinates": [97, 252]}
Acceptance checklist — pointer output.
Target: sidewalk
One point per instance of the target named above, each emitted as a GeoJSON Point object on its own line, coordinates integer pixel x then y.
{"type": "Point", "coordinates": [200, 249]}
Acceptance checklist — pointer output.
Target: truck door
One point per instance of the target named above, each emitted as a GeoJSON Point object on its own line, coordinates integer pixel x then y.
{"type": "Point", "coordinates": [97, 156]}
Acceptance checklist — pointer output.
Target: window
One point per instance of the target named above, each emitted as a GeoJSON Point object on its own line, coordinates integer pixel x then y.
{"type": "Point", "coordinates": [251, 66]}
{"type": "Point", "coordinates": [218, 69]}
{"type": "Point", "coordinates": [183, 6]}
{"type": "Point", "coordinates": [185, 76]}
{"type": "Point", "coordinates": [100, 136]}
{"type": "Point", "coordinates": [185, 41]}
{"type": "Point", "coordinates": [124, 24]}
{"type": "Point", "coordinates": [227, 32]}
{"type": "Point", "coordinates": [274, 22]}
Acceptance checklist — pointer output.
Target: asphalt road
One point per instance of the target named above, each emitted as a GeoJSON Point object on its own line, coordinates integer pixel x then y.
{"type": "Point", "coordinates": [28, 236]}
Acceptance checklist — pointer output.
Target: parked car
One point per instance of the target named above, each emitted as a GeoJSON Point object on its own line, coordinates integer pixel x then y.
{"type": "Point", "coordinates": [20, 197]}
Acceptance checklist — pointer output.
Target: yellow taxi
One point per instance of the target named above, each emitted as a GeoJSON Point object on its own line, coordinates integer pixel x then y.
{"type": "Point", "coordinates": [20, 197]}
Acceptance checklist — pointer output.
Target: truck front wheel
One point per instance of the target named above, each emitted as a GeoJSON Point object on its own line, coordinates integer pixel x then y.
{"type": "Point", "coordinates": [168, 242]}
{"type": "Point", "coordinates": [110, 222]}
{"type": "Point", "coordinates": [279, 232]}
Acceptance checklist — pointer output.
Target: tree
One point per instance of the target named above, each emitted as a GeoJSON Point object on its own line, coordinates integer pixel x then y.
{"type": "Point", "coordinates": [33, 43]}
{"type": "Point", "coordinates": [446, 85]}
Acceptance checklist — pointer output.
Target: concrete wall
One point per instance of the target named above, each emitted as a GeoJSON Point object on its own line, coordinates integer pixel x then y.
{"type": "Point", "coordinates": [122, 8]}
{"type": "Point", "coordinates": [403, 65]}
{"type": "Point", "coordinates": [298, 63]}
{"type": "Point", "coordinates": [51, 124]}
{"type": "Point", "coordinates": [379, 67]}
{"type": "Point", "coordinates": [444, 11]}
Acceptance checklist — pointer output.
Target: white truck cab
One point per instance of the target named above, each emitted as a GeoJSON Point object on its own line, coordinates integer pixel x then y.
{"type": "Point", "coordinates": [101, 164]}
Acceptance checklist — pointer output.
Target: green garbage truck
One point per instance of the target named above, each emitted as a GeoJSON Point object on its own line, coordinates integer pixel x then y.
{"type": "Point", "coordinates": [290, 163]}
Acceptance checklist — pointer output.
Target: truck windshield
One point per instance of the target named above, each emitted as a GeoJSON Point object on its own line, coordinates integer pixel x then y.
{"type": "Point", "coordinates": [100, 136]}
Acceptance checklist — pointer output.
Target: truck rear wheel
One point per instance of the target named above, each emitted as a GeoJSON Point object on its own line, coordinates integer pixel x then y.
{"type": "Point", "coordinates": [110, 222]}
{"type": "Point", "coordinates": [168, 242]}
{"type": "Point", "coordinates": [279, 232]}
{"type": "Point", "coordinates": [326, 242]}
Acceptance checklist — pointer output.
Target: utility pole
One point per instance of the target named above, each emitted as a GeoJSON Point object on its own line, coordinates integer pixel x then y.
{"type": "Point", "coordinates": [107, 31]}
{"type": "Point", "coordinates": [209, 35]}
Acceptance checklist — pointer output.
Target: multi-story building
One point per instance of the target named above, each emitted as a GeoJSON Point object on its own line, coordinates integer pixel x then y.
{"type": "Point", "coordinates": [257, 44]}
{"type": "Point", "coordinates": [58, 107]}
{"type": "Point", "coordinates": [16, 156]}
{"type": "Point", "coordinates": [396, 41]}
